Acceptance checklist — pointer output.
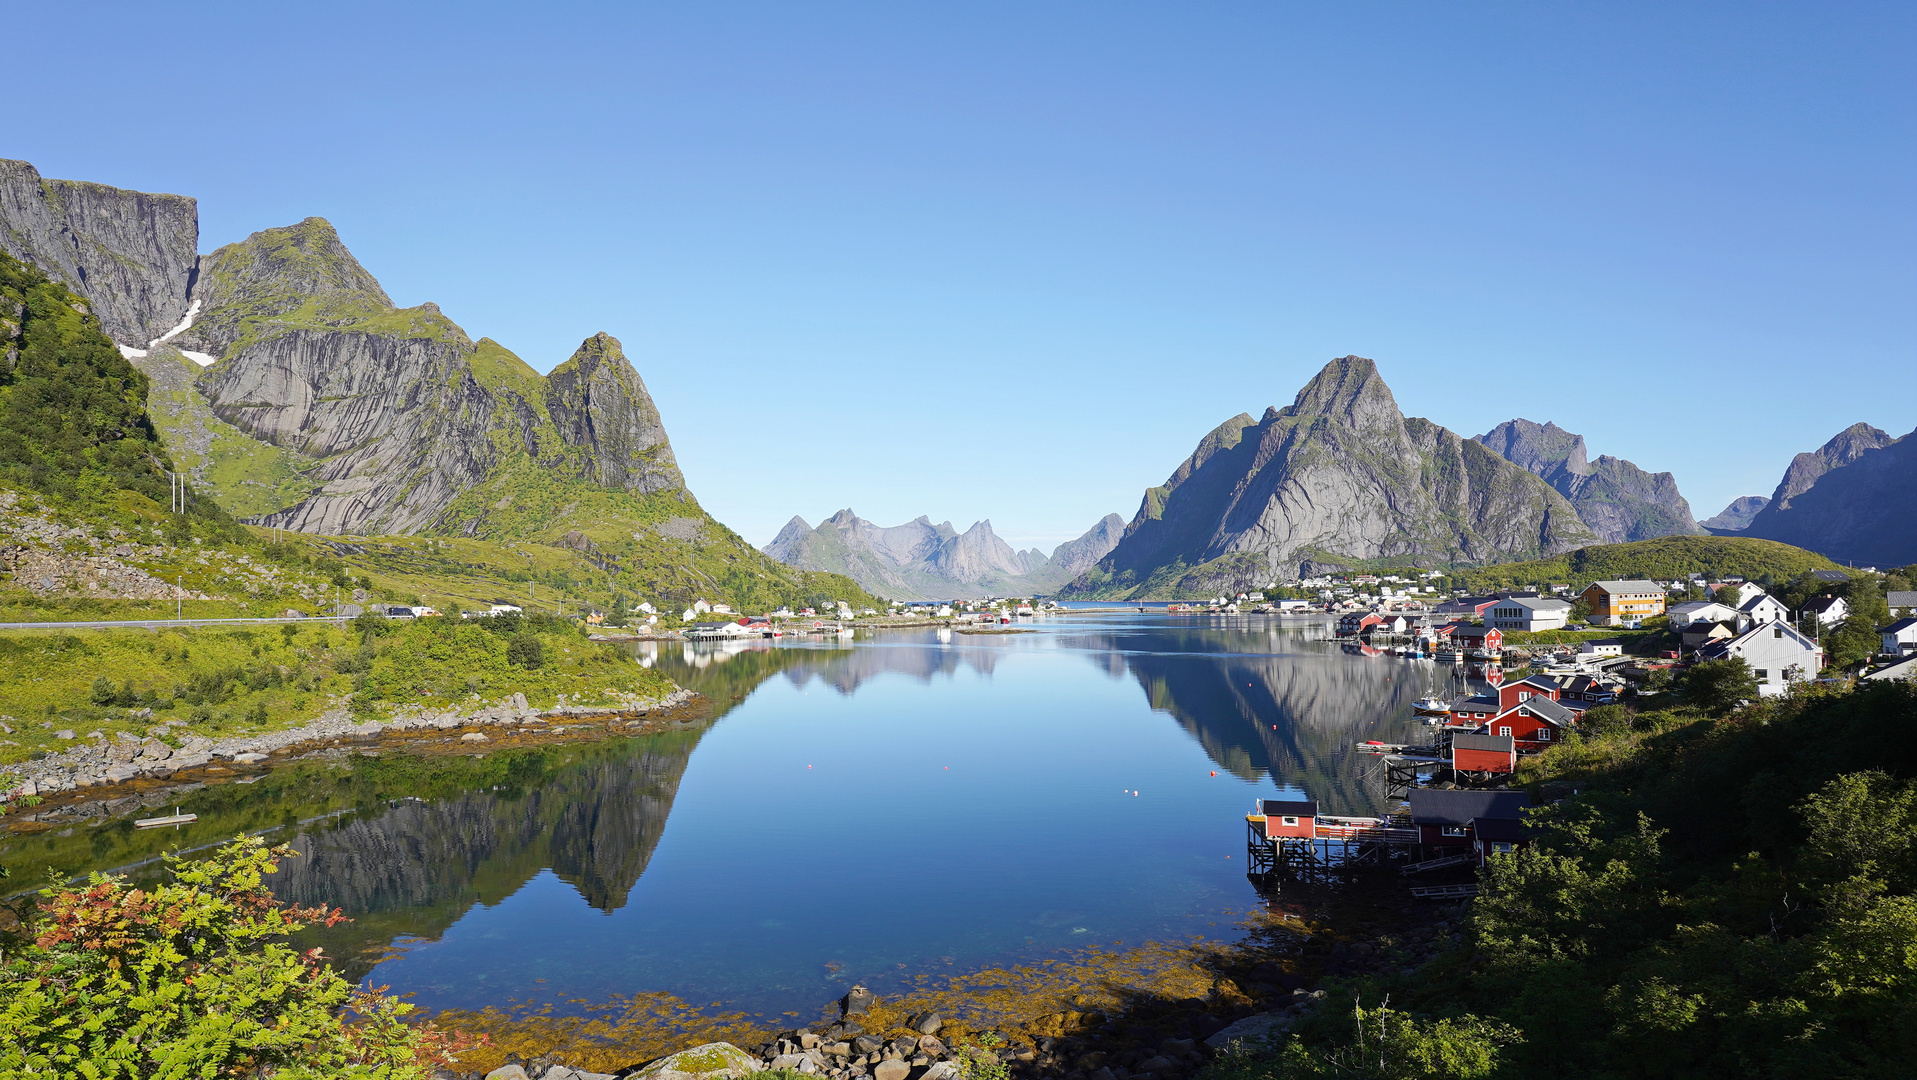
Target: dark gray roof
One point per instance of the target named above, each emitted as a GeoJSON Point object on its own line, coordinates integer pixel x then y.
{"type": "Point", "coordinates": [1433, 806]}
{"type": "Point", "coordinates": [1830, 575]}
{"type": "Point", "coordinates": [1822, 604]}
{"type": "Point", "coordinates": [1545, 707]}
{"type": "Point", "coordinates": [1472, 741]}
{"type": "Point", "coordinates": [1505, 829]}
{"type": "Point", "coordinates": [1901, 598]}
{"type": "Point", "coordinates": [1899, 625]}
{"type": "Point", "coordinates": [1289, 807]}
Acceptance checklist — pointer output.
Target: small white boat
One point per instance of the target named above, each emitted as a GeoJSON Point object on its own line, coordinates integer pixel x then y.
{"type": "Point", "coordinates": [176, 818]}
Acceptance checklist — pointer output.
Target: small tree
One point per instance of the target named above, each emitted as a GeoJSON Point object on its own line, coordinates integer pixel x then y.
{"type": "Point", "coordinates": [1581, 610]}
{"type": "Point", "coordinates": [1728, 596]}
{"type": "Point", "coordinates": [526, 650]}
{"type": "Point", "coordinates": [194, 979]}
{"type": "Point", "coordinates": [1718, 686]}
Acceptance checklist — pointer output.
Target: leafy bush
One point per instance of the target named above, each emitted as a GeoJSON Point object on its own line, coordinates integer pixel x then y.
{"type": "Point", "coordinates": [194, 979]}
{"type": "Point", "coordinates": [526, 651]}
{"type": "Point", "coordinates": [1374, 1044]}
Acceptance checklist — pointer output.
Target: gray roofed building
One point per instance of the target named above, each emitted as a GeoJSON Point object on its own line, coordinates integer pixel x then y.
{"type": "Point", "coordinates": [1901, 598]}
{"type": "Point", "coordinates": [1437, 806]}
{"type": "Point", "coordinates": [1547, 709]}
{"type": "Point", "coordinates": [1471, 740]}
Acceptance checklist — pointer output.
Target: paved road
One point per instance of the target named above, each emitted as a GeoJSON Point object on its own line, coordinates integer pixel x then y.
{"type": "Point", "coordinates": [155, 624]}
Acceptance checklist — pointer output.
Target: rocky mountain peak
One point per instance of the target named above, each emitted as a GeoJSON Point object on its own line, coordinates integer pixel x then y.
{"type": "Point", "coordinates": [1348, 389]}
{"type": "Point", "coordinates": [130, 254]}
{"type": "Point", "coordinates": [1542, 448]}
{"type": "Point", "coordinates": [598, 401]}
{"type": "Point", "coordinates": [1843, 448]}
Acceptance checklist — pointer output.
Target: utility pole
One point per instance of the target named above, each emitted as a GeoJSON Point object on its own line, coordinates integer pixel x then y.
{"type": "Point", "coordinates": [179, 599]}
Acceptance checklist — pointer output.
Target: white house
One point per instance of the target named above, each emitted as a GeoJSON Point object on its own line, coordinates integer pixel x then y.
{"type": "Point", "coordinates": [1764, 608]}
{"type": "Point", "coordinates": [1589, 650]}
{"type": "Point", "coordinates": [1902, 602]}
{"type": "Point", "coordinates": [701, 607]}
{"type": "Point", "coordinates": [1704, 611]}
{"type": "Point", "coordinates": [1528, 613]}
{"type": "Point", "coordinates": [505, 609]}
{"type": "Point", "coordinates": [1777, 653]}
{"type": "Point", "coordinates": [1900, 637]}
{"type": "Point", "coordinates": [1830, 610]}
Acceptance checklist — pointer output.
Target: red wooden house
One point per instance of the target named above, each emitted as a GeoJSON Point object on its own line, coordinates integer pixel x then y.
{"type": "Point", "coordinates": [1535, 723]}
{"type": "Point", "coordinates": [1289, 819]}
{"type": "Point", "coordinates": [1488, 640]}
{"type": "Point", "coordinates": [1511, 695]}
{"type": "Point", "coordinates": [1357, 622]}
{"type": "Point", "coordinates": [1447, 818]}
{"type": "Point", "coordinates": [1488, 754]}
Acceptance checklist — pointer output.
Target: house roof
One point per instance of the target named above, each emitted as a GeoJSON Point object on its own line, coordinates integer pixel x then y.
{"type": "Point", "coordinates": [1756, 600]}
{"type": "Point", "coordinates": [1901, 598]}
{"type": "Point", "coordinates": [1475, 701]}
{"type": "Point", "coordinates": [1504, 829]}
{"type": "Point", "coordinates": [1830, 575]}
{"type": "Point", "coordinates": [1634, 585]}
{"type": "Point", "coordinates": [1825, 603]}
{"type": "Point", "coordinates": [1471, 740]}
{"type": "Point", "coordinates": [1899, 626]}
{"type": "Point", "coordinates": [1438, 806]}
{"type": "Point", "coordinates": [1543, 682]}
{"type": "Point", "coordinates": [1547, 709]}
{"type": "Point", "coordinates": [1534, 603]}
{"type": "Point", "coordinates": [1288, 807]}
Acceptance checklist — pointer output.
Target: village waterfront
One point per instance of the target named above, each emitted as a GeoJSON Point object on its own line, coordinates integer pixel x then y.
{"type": "Point", "coordinates": [871, 810]}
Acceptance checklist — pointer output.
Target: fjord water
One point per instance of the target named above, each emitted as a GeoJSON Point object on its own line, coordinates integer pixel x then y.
{"type": "Point", "coordinates": [866, 810]}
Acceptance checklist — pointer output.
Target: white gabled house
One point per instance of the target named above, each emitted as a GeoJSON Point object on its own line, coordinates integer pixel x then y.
{"type": "Point", "coordinates": [1900, 637]}
{"type": "Point", "coordinates": [1704, 611]}
{"type": "Point", "coordinates": [1764, 608]}
{"type": "Point", "coordinates": [1830, 610]}
{"type": "Point", "coordinates": [1778, 655]}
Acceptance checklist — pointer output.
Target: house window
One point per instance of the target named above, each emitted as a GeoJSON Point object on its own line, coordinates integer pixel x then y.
{"type": "Point", "coordinates": [1763, 674]}
{"type": "Point", "coordinates": [1452, 830]}
{"type": "Point", "coordinates": [1288, 820]}
{"type": "Point", "coordinates": [1501, 847]}
{"type": "Point", "coordinates": [1778, 633]}
{"type": "Point", "coordinates": [1504, 731]}
{"type": "Point", "coordinates": [1524, 695]}
{"type": "Point", "coordinates": [1544, 734]}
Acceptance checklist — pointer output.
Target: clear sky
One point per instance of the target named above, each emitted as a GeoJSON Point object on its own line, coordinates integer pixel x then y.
{"type": "Point", "coordinates": [1013, 260]}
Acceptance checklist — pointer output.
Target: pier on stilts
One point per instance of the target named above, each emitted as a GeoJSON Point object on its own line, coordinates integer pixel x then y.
{"type": "Point", "coordinates": [1406, 764]}
{"type": "Point", "coordinates": [1287, 840]}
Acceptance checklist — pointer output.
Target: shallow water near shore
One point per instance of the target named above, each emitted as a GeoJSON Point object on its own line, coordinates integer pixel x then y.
{"type": "Point", "coordinates": [867, 811]}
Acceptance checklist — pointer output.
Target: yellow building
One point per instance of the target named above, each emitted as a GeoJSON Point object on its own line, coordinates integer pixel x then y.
{"type": "Point", "coordinates": [1614, 603]}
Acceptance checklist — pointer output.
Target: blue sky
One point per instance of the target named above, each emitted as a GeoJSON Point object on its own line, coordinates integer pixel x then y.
{"type": "Point", "coordinates": [1013, 260]}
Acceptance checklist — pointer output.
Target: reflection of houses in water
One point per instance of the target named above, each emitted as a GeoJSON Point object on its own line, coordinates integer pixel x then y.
{"type": "Point", "coordinates": [415, 867]}
{"type": "Point", "coordinates": [1290, 713]}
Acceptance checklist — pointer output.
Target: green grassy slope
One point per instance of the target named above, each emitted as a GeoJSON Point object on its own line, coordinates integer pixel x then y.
{"type": "Point", "coordinates": [1664, 558]}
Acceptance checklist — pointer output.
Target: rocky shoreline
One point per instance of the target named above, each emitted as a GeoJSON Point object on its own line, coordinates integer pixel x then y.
{"type": "Point", "coordinates": [164, 754]}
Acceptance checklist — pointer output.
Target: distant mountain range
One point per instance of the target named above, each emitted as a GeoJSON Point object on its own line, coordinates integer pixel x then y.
{"type": "Point", "coordinates": [1850, 499]}
{"type": "Point", "coordinates": [922, 561]}
{"type": "Point", "coordinates": [1339, 478]}
{"type": "Point", "coordinates": [1618, 500]}
{"type": "Point", "coordinates": [289, 388]}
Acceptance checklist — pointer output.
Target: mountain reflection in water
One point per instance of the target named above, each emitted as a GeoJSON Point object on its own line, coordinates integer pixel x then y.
{"type": "Point", "coordinates": [854, 811]}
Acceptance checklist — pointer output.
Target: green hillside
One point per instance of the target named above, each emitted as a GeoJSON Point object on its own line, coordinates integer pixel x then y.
{"type": "Point", "coordinates": [1663, 558]}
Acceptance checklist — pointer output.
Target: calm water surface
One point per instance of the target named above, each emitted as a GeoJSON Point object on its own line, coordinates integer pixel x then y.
{"type": "Point", "coordinates": [857, 811]}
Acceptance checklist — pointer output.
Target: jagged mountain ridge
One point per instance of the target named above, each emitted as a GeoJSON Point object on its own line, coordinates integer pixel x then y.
{"type": "Point", "coordinates": [1339, 477]}
{"type": "Point", "coordinates": [1618, 500]}
{"type": "Point", "coordinates": [1849, 500]}
{"type": "Point", "coordinates": [309, 402]}
{"type": "Point", "coordinates": [922, 561]}
{"type": "Point", "coordinates": [1737, 516]}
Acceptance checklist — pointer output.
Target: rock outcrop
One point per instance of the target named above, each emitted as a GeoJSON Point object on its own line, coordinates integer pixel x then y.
{"type": "Point", "coordinates": [922, 561]}
{"type": "Point", "coordinates": [1737, 516]}
{"type": "Point", "coordinates": [598, 401]}
{"type": "Point", "coordinates": [1618, 500]}
{"type": "Point", "coordinates": [1339, 476]}
{"type": "Point", "coordinates": [1850, 500]}
{"type": "Point", "coordinates": [131, 254]}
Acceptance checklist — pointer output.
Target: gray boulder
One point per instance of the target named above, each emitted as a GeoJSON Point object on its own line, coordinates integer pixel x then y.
{"type": "Point", "coordinates": [1251, 1029]}
{"type": "Point", "coordinates": [508, 1072]}
{"type": "Point", "coordinates": [893, 1069]}
{"type": "Point", "coordinates": [706, 1062]}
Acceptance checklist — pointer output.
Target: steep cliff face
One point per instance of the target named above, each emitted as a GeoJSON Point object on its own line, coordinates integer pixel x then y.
{"type": "Point", "coordinates": [1339, 476]}
{"type": "Point", "coordinates": [130, 254]}
{"type": "Point", "coordinates": [1737, 516]}
{"type": "Point", "coordinates": [1851, 500]}
{"type": "Point", "coordinates": [1618, 500]}
{"type": "Point", "coordinates": [598, 401]}
{"type": "Point", "coordinates": [923, 561]}
{"type": "Point", "coordinates": [1805, 469]}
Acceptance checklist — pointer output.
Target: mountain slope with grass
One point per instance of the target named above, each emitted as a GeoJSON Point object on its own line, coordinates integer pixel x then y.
{"type": "Point", "coordinates": [293, 393]}
{"type": "Point", "coordinates": [1339, 478]}
{"type": "Point", "coordinates": [1663, 559]}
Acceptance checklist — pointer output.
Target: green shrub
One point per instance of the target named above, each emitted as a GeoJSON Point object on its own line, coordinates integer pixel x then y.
{"type": "Point", "coordinates": [193, 979]}
{"type": "Point", "coordinates": [526, 651]}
